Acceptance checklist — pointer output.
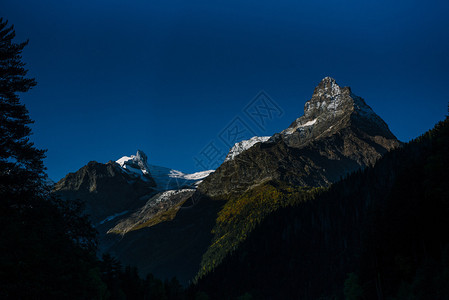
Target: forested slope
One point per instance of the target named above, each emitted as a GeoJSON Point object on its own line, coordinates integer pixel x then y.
{"type": "Point", "coordinates": [382, 232]}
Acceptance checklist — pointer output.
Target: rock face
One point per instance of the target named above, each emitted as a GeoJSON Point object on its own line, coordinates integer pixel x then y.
{"type": "Point", "coordinates": [330, 110]}
{"type": "Point", "coordinates": [337, 134]}
{"type": "Point", "coordinates": [161, 207]}
{"type": "Point", "coordinates": [106, 189]}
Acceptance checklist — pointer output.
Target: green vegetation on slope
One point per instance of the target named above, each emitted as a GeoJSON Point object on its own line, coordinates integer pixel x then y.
{"type": "Point", "coordinates": [240, 215]}
{"type": "Point", "coordinates": [162, 216]}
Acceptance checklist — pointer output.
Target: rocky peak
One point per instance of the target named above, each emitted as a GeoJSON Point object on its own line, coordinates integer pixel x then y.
{"type": "Point", "coordinates": [136, 164]}
{"type": "Point", "coordinates": [141, 157]}
{"type": "Point", "coordinates": [327, 87]}
{"type": "Point", "coordinates": [331, 108]}
{"type": "Point", "coordinates": [328, 98]}
{"type": "Point", "coordinates": [337, 134]}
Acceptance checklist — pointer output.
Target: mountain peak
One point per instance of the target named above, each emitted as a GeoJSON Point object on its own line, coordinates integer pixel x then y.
{"type": "Point", "coordinates": [327, 96]}
{"type": "Point", "coordinates": [330, 109]}
{"type": "Point", "coordinates": [136, 164]}
{"type": "Point", "coordinates": [327, 87]}
{"type": "Point", "coordinates": [165, 178]}
{"type": "Point", "coordinates": [337, 134]}
{"type": "Point", "coordinates": [141, 156]}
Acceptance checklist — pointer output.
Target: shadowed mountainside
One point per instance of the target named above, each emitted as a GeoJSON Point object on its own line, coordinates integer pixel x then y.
{"type": "Point", "coordinates": [381, 233]}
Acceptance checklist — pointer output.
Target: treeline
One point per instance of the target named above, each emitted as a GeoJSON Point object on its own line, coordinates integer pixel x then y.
{"type": "Point", "coordinates": [125, 283]}
{"type": "Point", "coordinates": [380, 233]}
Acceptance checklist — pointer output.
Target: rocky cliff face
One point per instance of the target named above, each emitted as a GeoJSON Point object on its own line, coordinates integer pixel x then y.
{"type": "Point", "coordinates": [106, 189]}
{"type": "Point", "coordinates": [331, 109]}
{"type": "Point", "coordinates": [337, 134]}
{"type": "Point", "coordinates": [161, 207]}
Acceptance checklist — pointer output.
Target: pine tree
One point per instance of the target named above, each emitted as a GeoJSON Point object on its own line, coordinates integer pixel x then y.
{"type": "Point", "coordinates": [21, 164]}
{"type": "Point", "coordinates": [46, 246]}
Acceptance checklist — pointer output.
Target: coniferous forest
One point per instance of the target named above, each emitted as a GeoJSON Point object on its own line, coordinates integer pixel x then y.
{"type": "Point", "coordinates": [379, 233]}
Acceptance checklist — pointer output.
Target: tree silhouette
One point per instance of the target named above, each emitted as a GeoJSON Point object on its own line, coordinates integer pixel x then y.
{"type": "Point", "coordinates": [21, 164]}
{"type": "Point", "coordinates": [46, 246]}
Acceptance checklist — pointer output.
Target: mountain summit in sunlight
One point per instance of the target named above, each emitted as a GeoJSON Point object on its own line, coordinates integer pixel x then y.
{"type": "Point", "coordinates": [337, 134]}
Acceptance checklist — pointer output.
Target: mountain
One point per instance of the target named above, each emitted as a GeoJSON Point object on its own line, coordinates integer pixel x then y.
{"type": "Point", "coordinates": [124, 198]}
{"type": "Point", "coordinates": [338, 134]}
{"type": "Point", "coordinates": [165, 178]}
{"type": "Point", "coordinates": [107, 189]}
{"type": "Point", "coordinates": [173, 224]}
{"type": "Point", "coordinates": [120, 187]}
{"type": "Point", "coordinates": [380, 233]}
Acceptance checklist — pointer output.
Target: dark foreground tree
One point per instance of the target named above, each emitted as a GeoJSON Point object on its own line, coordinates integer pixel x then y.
{"type": "Point", "coordinates": [21, 166]}
{"type": "Point", "coordinates": [46, 247]}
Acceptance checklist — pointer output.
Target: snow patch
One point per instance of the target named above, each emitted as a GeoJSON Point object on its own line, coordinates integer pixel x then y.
{"type": "Point", "coordinates": [169, 179]}
{"type": "Point", "coordinates": [330, 89]}
{"type": "Point", "coordinates": [309, 123]}
{"type": "Point", "coordinates": [123, 160]}
{"type": "Point", "coordinates": [136, 164]}
{"type": "Point", "coordinates": [164, 196]}
{"type": "Point", "coordinates": [245, 145]}
{"type": "Point", "coordinates": [300, 126]}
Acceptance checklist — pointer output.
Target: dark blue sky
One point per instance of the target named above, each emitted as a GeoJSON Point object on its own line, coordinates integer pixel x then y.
{"type": "Point", "coordinates": [168, 77]}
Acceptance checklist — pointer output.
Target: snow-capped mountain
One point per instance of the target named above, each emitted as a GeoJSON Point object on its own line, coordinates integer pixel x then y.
{"type": "Point", "coordinates": [337, 134]}
{"type": "Point", "coordinates": [129, 196]}
{"type": "Point", "coordinates": [324, 114]}
{"type": "Point", "coordinates": [136, 164]}
{"type": "Point", "coordinates": [329, 103]}
{"type": "Point", "coordinates": [117, 188]}
{"type": "Point", "coordinates": [107, 189]}
{"type": "Point", "coordinates": [165, 178]}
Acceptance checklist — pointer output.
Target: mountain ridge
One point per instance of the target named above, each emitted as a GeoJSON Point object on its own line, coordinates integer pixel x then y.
{"type": "Point", "coordinates": [338, 134]}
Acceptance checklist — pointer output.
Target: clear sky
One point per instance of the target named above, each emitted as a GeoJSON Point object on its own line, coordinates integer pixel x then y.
{"type": "Point", "coordinates": [171, 77]}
